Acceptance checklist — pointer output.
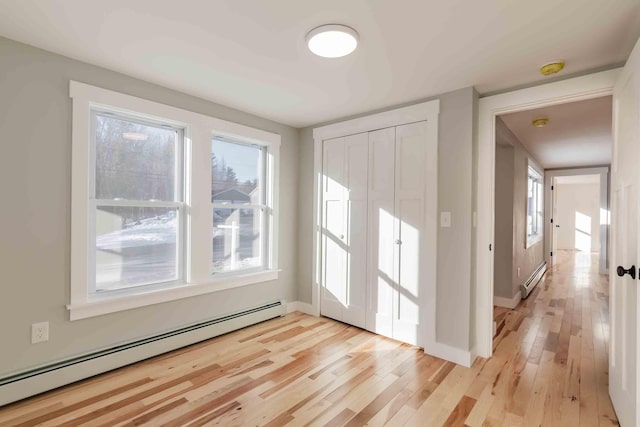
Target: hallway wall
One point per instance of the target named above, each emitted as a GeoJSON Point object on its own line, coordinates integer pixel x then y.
{"type": "Point", "coordinates": [524, 260]}
{"type": "Point", "coordinates": [578, 215]}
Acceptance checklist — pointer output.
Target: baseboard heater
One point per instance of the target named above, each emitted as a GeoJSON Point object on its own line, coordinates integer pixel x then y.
{"type": "Point", "coordinates": [533, 280]}
{"type": "Point", "coordinates": [34, 381]}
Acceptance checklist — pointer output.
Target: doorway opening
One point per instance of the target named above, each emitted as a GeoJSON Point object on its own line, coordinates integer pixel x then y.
{"type": "Point", "coordinates": [513, 107]}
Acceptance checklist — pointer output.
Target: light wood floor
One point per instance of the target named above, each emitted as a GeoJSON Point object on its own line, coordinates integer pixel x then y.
{"type": "Point", "coordinates": [549, 369]}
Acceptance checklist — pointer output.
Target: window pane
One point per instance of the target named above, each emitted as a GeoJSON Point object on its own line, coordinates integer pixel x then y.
{"type": "Point", "coordinates": [237, 240]}
{"type": "Point", "coordinates": [135, 246]}
{"type": "Point", "coordinates": [134, 161]}
{"type": "Point", "coordinates": [236, 172]}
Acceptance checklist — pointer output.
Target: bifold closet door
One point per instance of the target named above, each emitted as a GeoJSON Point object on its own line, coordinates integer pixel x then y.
{"type": "Point", "coordinates": [396, 236]}
{"type": "Point", "coordinates": [345, 228]}
{"type": "Point", "coordinates": [382, 249]}
{"type": "Point", "coordinates": [409, 210]}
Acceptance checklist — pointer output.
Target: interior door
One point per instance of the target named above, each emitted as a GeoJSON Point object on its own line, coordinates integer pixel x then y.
{"type": "Point", "coordinates": [382, 254]}
{"type": "Point", "coordinates": [623, 352]}
{"type": "Point", "coordinates": [409, 213]}
{"type": "Point", "coordinates": [556, 222]}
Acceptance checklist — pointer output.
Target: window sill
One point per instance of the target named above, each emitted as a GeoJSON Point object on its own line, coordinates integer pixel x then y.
{"type": "Point", "coordinates": [99, 306]}
{"type": "Point", "coordinates": [534, 240]}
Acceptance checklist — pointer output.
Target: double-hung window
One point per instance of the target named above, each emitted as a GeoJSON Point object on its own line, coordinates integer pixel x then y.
{"type": "Point", "coordinates": [535, 206]}
{"type": "Point", "coordinates": [137, 202]}
{"type": "Point", "coordinates": [152, 219]}
{"type": "Point", "coordinates": [240, 211]}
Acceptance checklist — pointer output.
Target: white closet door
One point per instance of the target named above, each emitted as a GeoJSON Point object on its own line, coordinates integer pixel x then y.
{"type": "Point", "coordinates": [382, 250]}
{"type": "Point", "coordinates": [334, 255]}
{"type": "Point", "coordinates": [409, 212]}
{"type": "Point", "coordinates": [345, 229]}
{"type": "Point", "coordinates": [356, 168]}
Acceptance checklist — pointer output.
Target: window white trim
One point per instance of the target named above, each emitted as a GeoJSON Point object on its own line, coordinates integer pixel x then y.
{"type": "Point", "coordinates": [198, 130]}
{"type": "Point", "coordinates": [533, 170]}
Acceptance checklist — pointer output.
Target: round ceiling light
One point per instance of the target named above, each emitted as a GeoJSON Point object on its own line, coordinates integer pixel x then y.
{"type": "Point", "coordinates": [552, 68]}
{"type": "Point", "coordinates": [332, 41]}
{"type": "Point", "coordinates": [539, 123]}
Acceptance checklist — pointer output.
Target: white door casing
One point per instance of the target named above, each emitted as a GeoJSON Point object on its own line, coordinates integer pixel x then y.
{"type": "Point", "coordinates": [560, 92]}
{"type": "Point", "coordinates": [623, 294]}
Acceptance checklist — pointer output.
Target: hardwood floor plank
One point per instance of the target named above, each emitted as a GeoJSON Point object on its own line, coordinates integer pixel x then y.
{"type": "Point", "coordinates": [549, 368]}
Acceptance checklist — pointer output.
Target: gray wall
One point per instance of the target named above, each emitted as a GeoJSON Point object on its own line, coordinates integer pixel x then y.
{"type": "Point", "coordinates": [504, 192]}
{"type": "Point", "coordinates": [527, 259]}
{"type": "Point", "coordinates": [35, 183]}
{"type": "Point", "coordinates": [455, 179]}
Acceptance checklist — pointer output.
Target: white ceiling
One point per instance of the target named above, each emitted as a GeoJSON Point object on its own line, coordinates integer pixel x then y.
{"type": "Point", "coordinates": [578, 133]}
{"type": "Point", "coordinates": [250, 54]}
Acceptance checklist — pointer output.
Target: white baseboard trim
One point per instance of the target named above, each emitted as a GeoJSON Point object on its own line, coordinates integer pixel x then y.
{"type": "Point", "coordinates": [451, 354]}
{"type": "Point", "coordinates": [300, 306]}
{"type": "Point", "coordinates": [510, 303]}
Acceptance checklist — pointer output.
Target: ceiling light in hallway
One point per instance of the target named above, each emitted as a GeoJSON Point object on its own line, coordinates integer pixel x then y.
{"type": "Point", "coordinates": [539, 123]}
{"type": "Point", "coordinates": [552, 68]}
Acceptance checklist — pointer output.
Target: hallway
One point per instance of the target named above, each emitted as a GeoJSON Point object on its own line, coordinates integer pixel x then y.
{"type": "Point", "coordinates": [552, 350]}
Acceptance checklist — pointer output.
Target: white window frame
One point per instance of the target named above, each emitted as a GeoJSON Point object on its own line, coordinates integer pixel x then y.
{"type": "Point", "coordinates": [263, 206]}
{"type": "Point", "coordinates": [198, 130]}
{"type": "Point", "coordinates": [538, 197]}
{"type": "Point", "coordinates": [177, 203]}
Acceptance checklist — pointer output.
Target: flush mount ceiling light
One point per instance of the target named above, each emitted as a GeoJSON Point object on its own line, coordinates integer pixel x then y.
{"type": "Point", "coordinates": [552, 68]}
{"type": "Point", "coordinates": [332, 41]}
{"type": "Point", "coordinates": [539, 123]}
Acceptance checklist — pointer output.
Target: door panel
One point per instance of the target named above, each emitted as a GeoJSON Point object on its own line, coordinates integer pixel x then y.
{"type": "Point", "coordinates": [381, 268]}
{"type": "Point", "coordinates": [333, 235]}
{"type": "Point", "coordinates": [357, 149]}
{"type": "Point", "coordinates": [623, 298]}
{"type": "Point", "coordinates": [409, 208]}
{"type": "Point", "coordinates": [345, 229]}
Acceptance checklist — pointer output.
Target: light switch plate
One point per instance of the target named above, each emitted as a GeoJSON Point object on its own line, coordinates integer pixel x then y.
{"type": "Point", "coordinates": [445, 219]}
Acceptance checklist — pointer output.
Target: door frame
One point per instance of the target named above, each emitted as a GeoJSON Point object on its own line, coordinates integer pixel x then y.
{"type": "Point", "coordinates": [605, 216]}
{"type": "Point", "coordinates": [560, 92]}
{"type": "Point", "coordinates": [425, 111]}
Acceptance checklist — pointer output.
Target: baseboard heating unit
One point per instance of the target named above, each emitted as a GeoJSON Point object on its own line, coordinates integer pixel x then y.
{"type": "Point", "coordinates": [533, 280]}
{"type": "Point", "coordinates": [28, 383]}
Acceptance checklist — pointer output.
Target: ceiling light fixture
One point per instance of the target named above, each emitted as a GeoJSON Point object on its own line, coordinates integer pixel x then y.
{"type": "Point", "coordinates": [539, 123]}
{"type": "Point", "coordinates": [332, 41]}
{"type": "Point", "coordinates": [552, 68]}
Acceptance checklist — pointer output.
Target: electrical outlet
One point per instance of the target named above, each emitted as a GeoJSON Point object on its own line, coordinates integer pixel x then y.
{"type": "Point", "coordinates": [39, 332]}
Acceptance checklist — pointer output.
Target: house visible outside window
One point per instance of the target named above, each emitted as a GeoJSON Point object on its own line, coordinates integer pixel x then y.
{"type": "Point", "coordinates": [238, 197]}
{"type": "Point", "coordinates": [166, 203]}
{"type": "Point", "coordinates": [137, 202]}
{"type": "Point", "coordinates": [535, 207]}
